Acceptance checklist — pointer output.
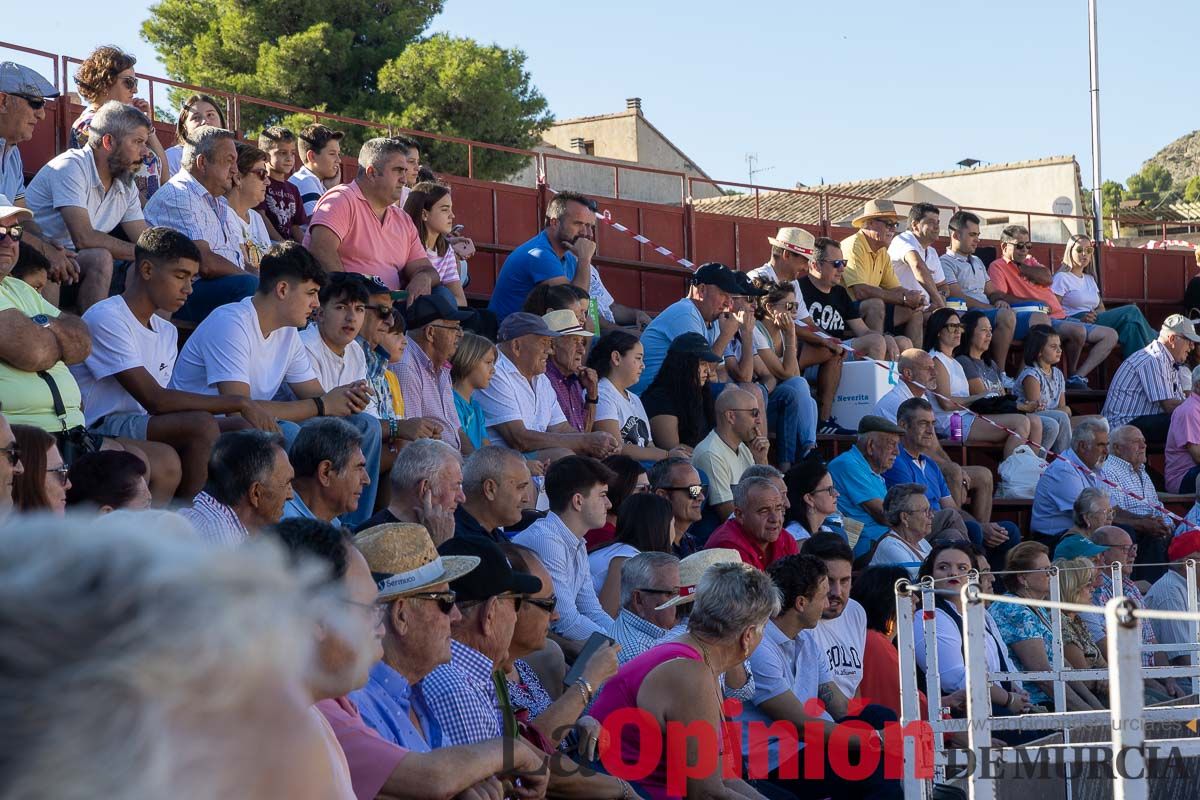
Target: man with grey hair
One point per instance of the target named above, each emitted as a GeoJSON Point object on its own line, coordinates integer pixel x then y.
{"type": "Point", "coordinates": [494, 481]}
{"type": "Point", "coordinates": [82, 195]}
{"type": "Point", "coordinates": [1144, 518]}
{"type": "Point", "coordinates": [356, 226]}
{"type": "Point", "coordinates": [1146, 388]}
{"type": "Point", "coordinates": [1067, 476]}
{"type": "Point", "coordinates": [193, 202]}
{"type": "Point", "coordinates": [155, 626]}
{"type": "Point", "coordinates": [757, 522]}
{"type": "Point", "coordinates": [426, 488]}
{"type": "Point", "coordinates": [1183, 442]}
{"type": "Point", "coordinates": [331, 471]}
{"type": "Point", "coordinates": [647, 581]}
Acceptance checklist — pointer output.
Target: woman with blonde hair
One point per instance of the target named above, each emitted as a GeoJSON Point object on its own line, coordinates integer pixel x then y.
{"type": "Point", "coordinates": [471, 369]}
{"type": "Point", "coordinates": [1075, 285]}
{"type": "Point", "coordinates": [1076, 580]}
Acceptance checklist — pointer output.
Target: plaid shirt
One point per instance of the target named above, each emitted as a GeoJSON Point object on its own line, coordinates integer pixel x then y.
{"type": "Point", "coordinates": [1104, 592]}
{"type": "Point", "coordinates": [634, 634]}
{"type": "Point", "coordinates": [1122, 473]}
{"type": "Point", "coordinates": [214, 521]}
{"type": "Point", "coordinates": [184, 204]}
{"type": "Point", "coordinates": [461, 697]}
{"type": "Point", "coordinates": [427, 391]}
{"type": "Point", "coordinates": [570, 394]}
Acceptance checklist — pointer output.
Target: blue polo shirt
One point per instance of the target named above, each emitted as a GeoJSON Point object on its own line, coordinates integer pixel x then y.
{"type": "Point", "coordinates": [679, 318]}
{"type": "Point", "coordinates": [384, 703]}
{"type": "Point", "coordinates": [857, 483]}
{"type": "Point", "coordinates": [526, 267]}
{"type": "Point", "coordinates": [905, 469]}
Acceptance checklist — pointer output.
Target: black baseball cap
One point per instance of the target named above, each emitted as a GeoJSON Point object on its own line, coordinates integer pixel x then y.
{"type": "Point", "coordinates": [494, 576]}
{"type": "Point", "coordinates": [747, 287]}
{"type": "Point", "coordinates": [433, 307]}
{"type": "Point", "coordinates": [694, 344]}
{"type": "Point", "coordinates": [718, 275]}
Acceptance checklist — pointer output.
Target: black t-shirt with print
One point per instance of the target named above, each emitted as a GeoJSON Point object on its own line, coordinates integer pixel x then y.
{"type": "Point", "coordinates": [830, 310]}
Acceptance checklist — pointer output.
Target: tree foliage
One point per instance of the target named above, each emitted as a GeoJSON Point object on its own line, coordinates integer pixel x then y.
{"type": "Point", "coordinates": [1191, 192]}
{"type": "Point", "coordinates": [1112, 193]}
{"type": "Point", "coordinates": [1152, 184]}
{"type": "Point", "coordinates": [355, 58]}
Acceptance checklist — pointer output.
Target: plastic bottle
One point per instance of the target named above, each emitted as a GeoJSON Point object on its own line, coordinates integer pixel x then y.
{"type": "Point", "coordinates": [956, 427]}
{"type": "Point", "coordinates": [594, 314]}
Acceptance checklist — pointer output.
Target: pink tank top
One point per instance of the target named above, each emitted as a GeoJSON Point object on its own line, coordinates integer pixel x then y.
{"type": "Point", "coordinates": [621, 691]}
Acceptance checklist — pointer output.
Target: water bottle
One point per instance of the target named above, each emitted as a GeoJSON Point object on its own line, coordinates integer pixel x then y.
{"type": "Point", "coordinates": [594, 314]}
{"type": "Point", "coordinates": [956, 427]}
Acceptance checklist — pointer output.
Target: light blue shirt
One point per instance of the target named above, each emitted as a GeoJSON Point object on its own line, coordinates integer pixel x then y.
{"type": "Point", "coordinates": [679, 318]}
{"type": "Point", "coordinates": [857, 483]}
{"type": "Point", "coordinates": [385, 703]}
{"type": "Point", "coordinates": [185, 205]}
{"type": "Point", "coordinates": [564, 555]}
{"type": "Point", "coordinates": [1056, 492]}
{"type": "Point", "coordinates": [532, 263]}
{"type": "Point", "coordinates": [12, 172]}
{"type": "Point", "coordinates": [296, 508]}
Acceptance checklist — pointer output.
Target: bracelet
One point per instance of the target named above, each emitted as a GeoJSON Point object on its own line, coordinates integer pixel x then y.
{"type": "Point", "coordinates": [393, 429]}
{"type": "Point", "coordinates": [586, 688]}
{"type": "Point", "coordinates": [591, 401]}
{"type": "Point", "coordinates": [320, 404]}
{"type": "Point", "coordinates": [627, 792]}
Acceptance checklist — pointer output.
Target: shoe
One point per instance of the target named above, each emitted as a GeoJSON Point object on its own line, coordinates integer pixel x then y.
{"type": "Point", "coordinates": [1077, 382]}
{"type": "Point", "coordinates": [830, 427]}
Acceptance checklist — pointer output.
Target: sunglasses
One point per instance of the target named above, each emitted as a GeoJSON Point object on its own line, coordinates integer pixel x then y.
{"type": "Point", "coordinates": [384, 312]}
{"type": "Point", "coordinates": [444, 600]}
{"type": "Point", "coordinates": [838, 263]}
{"type": "Point", "coordinates": [130, 83]}
{"type": "Point", "coordinates": [546, 604]}
{"type": "Point", "coordinates": [36, 103]}
{"type": "Point", "coordinates": [14, 232]}
{"type": "Point", "coordinates": [1021, 245]}
{"type": "Point", "coordinates": [13, 451]}
{"type": "Point", "coordinates": [652, 590]}
{"type": "Point", "coordinates": [695, 491]}
{"type": "Point", "coordinates": [262, 174]}
{"type": "Point", "coordinates": [791, 306]}
{"type": "Point", "coordinates": [60, 472]}
{"type": "Point", "coordinates": [753, 412]}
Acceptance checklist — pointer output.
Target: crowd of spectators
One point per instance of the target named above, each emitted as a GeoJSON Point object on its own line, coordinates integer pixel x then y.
{"type": "Point", "coordinates": [280, 373]}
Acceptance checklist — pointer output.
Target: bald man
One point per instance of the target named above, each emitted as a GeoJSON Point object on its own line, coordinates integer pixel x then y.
{"type": "Point", "coordinates": [738, 441]}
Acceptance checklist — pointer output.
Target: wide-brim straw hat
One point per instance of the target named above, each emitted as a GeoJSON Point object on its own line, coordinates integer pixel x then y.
{"type": "Point", "coordinates": [403, 559]}
{"type": "Point", "coordinates": [795, 240]}
{"type": "Point", "coordinates": [694, 566]}
{"type": "Point", "coordinates": [876, 209]}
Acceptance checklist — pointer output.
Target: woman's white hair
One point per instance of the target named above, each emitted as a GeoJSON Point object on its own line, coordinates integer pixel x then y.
{"type": "Point", "coordinates": [132, 659]}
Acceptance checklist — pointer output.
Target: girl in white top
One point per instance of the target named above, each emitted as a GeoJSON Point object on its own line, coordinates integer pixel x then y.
{"type": "Point", "coordinates": [645, 524]}
{"type": "Point", "coordinates": [243, 223]}
{"type": "Point", "coordinates": [432, 211]}
{"type": "Point", "coordinates": [1042, 383]}
{"type": "Point", "coordinates": [1075, 285]}
{"type": "Point", "coordinates": [617, 359]}
{"type": "Point", "coordinates": [943, 333]}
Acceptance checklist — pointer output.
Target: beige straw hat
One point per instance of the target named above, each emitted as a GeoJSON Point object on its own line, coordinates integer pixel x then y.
{"type": "Point", "coordinates": [692, 567]}
{"type": "Point", "coordinates": [877, 209]}
{"type": "Point", "coordinates": [403, 559]}
{"type": "Point", "coordinates": [795, 240]}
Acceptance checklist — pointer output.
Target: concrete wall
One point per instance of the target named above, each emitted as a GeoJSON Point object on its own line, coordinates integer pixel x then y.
{"type": "Point", "coordinates": [615, 137]}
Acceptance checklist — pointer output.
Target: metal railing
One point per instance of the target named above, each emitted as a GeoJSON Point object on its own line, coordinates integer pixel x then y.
{"type": "Point", "coordinates": [1125, 674]}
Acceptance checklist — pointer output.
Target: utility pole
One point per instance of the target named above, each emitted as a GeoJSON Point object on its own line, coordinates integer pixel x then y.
{"type": "Point", "coordinates": [752, 167]}
{"type": "Point", "coordinates": [1094, 75]}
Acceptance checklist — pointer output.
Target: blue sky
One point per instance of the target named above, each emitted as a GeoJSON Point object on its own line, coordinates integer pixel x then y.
{"type": "Point", "coordinates": [832, 90]}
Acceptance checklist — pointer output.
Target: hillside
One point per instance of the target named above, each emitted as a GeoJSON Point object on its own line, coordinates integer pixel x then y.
{"type": "Point", "coordinates": [1181, 158]}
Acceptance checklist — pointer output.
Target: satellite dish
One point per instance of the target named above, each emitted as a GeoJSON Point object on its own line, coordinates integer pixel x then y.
{"type": "Point", "coordinates": [1063, 205]}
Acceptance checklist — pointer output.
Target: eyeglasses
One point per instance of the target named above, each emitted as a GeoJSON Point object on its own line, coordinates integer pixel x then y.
{"type": "Point", "coordinates": [457, 329]}
{"type": "Point", "coordinates": [1020, 245]}
{"type": "Point", "coordinates": [830, 490]}
{"type": "Point", "coordinates": [262, 174]}
{"type": "Point", "coordinates": [891, 226]}
{"type": "Point", "coordinates": [376, 611]}
{"type": "Point", "coordinates": [36, 103]}
{"type": "Point", "coordinates": [652, 590]}
{"type": "Point", "coordinates": [641, 487]}
{"type": "Point", "coordinates": [384, 312]}
{"type": "Point", "coordinates": [14, 232]}
{"type": "Point", "coordinates": [516, 598]}
{"type": "Point", "coordinates": [695, 491]}
{"type": "Point", "coordinates": [1130, 549]}
{"type": "Point", "coordinates": [13, 451]}
{"type": "Point", "coordinates": [60, 472]}
{"type": "Point", "coordinates": [754, 412]}
{"type": "Point", "coordinates": [444, 600]}
{"type": "Point", "coordinates": [130, 83]}
{"type": "Point", "coordinates": [546, 604]}
{"type": "Point", "coordinates": [838, 263]}
{"type": "Point", "coordinates": [928, 511]}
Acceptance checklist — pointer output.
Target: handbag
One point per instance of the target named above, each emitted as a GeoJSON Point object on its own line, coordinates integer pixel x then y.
{"type": "Point", "coordinates": [72, 442]}
{"type": "Point", "coordinates": [996, 404]}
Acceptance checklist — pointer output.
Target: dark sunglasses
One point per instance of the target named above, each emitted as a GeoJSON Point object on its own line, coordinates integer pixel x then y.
{"type": "Point", "coordinates": [14, 232]}
{"type": "Point", "coordinates": [838, 263]}
{"type": "Point", "coordinates": [36, 103]}
{"type": "Point", "coordinates": [13, 451]}
{"type": "Point", "coordinates": [754, 412]}
{"type": "Point", "coordinates": [384, 312]}
{"type": "Point", "coordinates": [261, 174]}
{"type": "Point", "coordinates": [131, 83]}
{"type": "Point", "coordinates": [695, 491]}
{"type": "Point", "coordinates": [444, 600]}
{"type": "Point", "coordinates": [546, 604]}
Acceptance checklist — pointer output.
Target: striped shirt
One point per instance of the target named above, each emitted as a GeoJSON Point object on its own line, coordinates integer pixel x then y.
{"type": "Point", "coordinates": [428, 392]}
{"type": "Point", "coordinates": [564, 555]}
{"type": "Point", "coordinates": [215, 522]}
{"type": "Point", "coordinates": [184, 204]}
{"type": "Point", "coordinates": [1142, 383]}
{"type": "Point", "coordinates": [1123, 474]}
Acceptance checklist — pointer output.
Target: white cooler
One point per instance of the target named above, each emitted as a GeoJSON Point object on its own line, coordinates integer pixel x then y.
{"type": "Point", "coordinates": [862, 384]}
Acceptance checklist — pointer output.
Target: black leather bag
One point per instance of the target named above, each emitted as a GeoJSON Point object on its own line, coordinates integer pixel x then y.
{"type": "Point", "coordinates": [72, 442]}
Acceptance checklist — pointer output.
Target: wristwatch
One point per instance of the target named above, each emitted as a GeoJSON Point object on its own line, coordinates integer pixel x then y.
{"type": "Point", "coordinates": [41, 320]}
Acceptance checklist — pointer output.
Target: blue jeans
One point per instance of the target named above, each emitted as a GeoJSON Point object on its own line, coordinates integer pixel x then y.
{"type": "Point", "coordinates": [208, 293]}
{"type": "Point", "coordinates": [995, 555]}
{"type": "Point", "coordinates": [372, 445]}
{"type": "Point", "coordinates": [792, 414]}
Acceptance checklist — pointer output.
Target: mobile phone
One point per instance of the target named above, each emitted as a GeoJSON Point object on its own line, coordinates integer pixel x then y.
{"type": "Point", "coordinates": [457, 230]}
{"type": "Point", "coordinates": [594, 643]}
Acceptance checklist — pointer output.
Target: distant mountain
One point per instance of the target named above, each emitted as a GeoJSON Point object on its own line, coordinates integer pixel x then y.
{"type": "Point", "coordinates": [1181, 158]}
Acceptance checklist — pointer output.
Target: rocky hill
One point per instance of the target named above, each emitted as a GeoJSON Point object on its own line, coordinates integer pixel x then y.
{"type": "Point", "coordinates": [1181, 158]}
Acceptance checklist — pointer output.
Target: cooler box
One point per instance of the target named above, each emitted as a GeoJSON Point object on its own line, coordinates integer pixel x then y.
{"type": "Point", "coordinates": [863, 383]}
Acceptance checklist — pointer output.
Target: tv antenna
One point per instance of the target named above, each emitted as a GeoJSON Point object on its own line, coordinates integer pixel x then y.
{"type": "Point", "coordinates": [752, 167]}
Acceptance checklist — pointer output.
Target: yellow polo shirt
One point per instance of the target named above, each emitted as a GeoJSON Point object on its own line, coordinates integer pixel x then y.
{"type": "Point", "coordinates": [864, 266]}
{"type": "Point", "coordinates": [26, 397]}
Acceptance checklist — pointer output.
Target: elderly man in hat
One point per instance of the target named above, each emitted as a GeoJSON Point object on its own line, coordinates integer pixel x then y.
{"type": "Point", "coordinates": [575, 384]}
{"type": "Point", "coordinates": [1170, 593]}
{"type": "Point", "coordinates": [858, 476]}
{"type": "Point", "coordinates": [1147, 387]}
{"type": "Point", "coordinates": [869, 272]}
{"type": "Point", "coordinates": [520, 405]}
{"type": "Point", "coordinates": [434, 331]}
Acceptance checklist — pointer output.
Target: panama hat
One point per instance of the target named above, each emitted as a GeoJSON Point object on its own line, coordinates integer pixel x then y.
{"type": "Point", "coordinates": [403, 559]}
{"type": "Point", "coordinates": [7, 211]}
{"type": "Point", "coordinates": [565, 323]}
{"type": "Point", "coordinates": [695, 565]}
{"type": "Point", "coordinates": [795, 240]}
{"type": "Point", "coordinates": [876, 209]}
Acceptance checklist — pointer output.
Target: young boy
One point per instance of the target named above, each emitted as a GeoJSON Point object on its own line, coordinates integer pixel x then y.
{"type": "Point", "coordinates": [33, 268]}
{"type": "Point", "coordinates": [123, 381]}
{"type": "Point", "coordinates": [283, 207]}
{"type": "Point", "coordinates": [321, 152]}
{"type": "Point", "coordinates": [336, 357]}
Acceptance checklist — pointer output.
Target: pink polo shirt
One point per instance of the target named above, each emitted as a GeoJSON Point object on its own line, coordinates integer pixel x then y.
{"type": "Point", "coordinates": [1184, 430]}
{"type": "Point", "coordinates": [1005, 277]}
{"type": "Point", "coordinates": [368, 246]}
{"type": "Point", "coordinates": [370, 758]}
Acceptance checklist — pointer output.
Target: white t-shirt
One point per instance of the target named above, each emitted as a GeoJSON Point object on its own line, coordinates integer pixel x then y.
{"type": "Point", "coordinates": [119, 343]}
{"type": "Point", "coordinates": [627, 411]}
{"type": "Point", "coordinates": [511, 397]}
{"type": "Point", "coordinates": [334, 370]}
{"type": "Point", "coordinates": [843, 642]}
{"type": "Point", "coordinates": [767, 271]}
{"type": "Point", "coordinates": [907, 243]}
{"type": "Point", "coordinates": [1078, 293]}
{"type": "Point", "coordinates": [229, 346]}
{"type": "Point", "coordinates": [599, 560]}
{"type": "Point", "coordinates": [254, 239]}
